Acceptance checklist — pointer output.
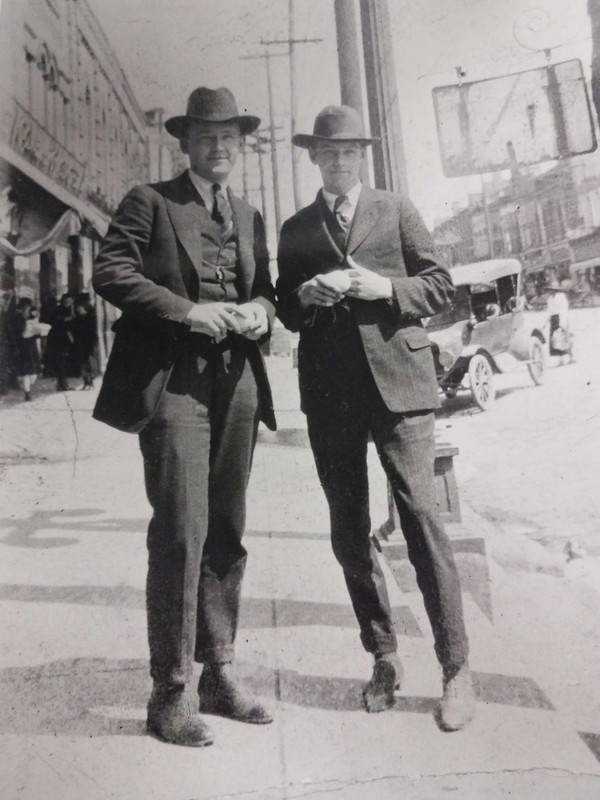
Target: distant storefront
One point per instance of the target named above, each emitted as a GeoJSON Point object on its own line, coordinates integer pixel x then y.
{"type": "Point", "coordinates": [73, 140]}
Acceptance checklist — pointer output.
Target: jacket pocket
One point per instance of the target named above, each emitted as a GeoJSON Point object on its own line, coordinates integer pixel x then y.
{"type": "Point", "coordinates": [416, 339]}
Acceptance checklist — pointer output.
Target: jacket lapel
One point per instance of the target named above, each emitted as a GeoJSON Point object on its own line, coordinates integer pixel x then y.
{"type": "Point", "coordinates": [368, 211]}
{"type": "Point", "coordinates": [183, 202]}
{"type": "Point", "coordinates": [323, 240]}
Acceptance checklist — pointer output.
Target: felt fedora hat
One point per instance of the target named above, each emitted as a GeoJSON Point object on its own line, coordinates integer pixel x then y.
{"type": "Point", "coordinates": [335, 124]}
{"type": "Point", "coordinates": [555, 286]}
{"type": "Point", "coordinates": [211, 105]}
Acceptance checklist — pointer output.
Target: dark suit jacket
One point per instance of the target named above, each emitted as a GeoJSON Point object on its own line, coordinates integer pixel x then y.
{"type": "Point", "coordinates": [148, 266]}
{"type": "Point", "coordinates": [389, 237]}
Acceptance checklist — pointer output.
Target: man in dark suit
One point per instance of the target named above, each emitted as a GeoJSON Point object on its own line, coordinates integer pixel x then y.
{"type": "Point", "coordinates": [187, 263]}
{"type": "Point", "coordinates": [356, 275]}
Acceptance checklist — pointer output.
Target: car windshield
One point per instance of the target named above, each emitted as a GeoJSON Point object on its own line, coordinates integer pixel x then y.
{"type": "Point", "coordinates": [474, 301]}
{"type": "Point", "coordinates": [458, 310]}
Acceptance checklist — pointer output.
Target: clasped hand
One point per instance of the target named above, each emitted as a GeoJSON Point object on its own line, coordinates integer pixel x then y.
{"type": "Point", "coordinates": [366, 284]}
{"type": "Point", "coordinates": [360, 282]}
{"type": "Point", "coordinates": [217, 319]}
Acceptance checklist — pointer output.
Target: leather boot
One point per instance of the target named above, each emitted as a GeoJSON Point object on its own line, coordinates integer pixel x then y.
{"type": "Point", "coordinates": [173, 718]}
{"type": "Point", "coordinates": [457, 708]}
{"type": "Point", "coordinates": [221, 693]}
{"type": "Point", "coordinates": [378, 694]}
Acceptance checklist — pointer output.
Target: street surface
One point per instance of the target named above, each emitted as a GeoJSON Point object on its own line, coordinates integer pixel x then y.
{"type": "Point", "coordinates": [531, 465]}
{"type": "Point", "coordinates": [73, 654]}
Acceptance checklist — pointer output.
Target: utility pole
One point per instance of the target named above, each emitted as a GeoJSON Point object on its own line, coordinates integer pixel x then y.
{"type": "Point", "coordinates": [274, 165]}
{"type": "Point", "coordinates": [389, 163]}
{"type": "Point", "coordinates": [261, 152]}
{"type": "Point", "coordinates": [594, 14]}
{"type": "Point", "coordinates": [245, 170]}
{"type": "Point", "coordinates": [349, 56]}
{"type": "Point", "coordinates": [349, 63]}
{"type": "Point", "coordinates": [291, 42]}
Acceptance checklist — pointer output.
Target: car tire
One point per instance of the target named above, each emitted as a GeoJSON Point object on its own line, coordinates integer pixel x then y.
{"type": "Point", "coordinates": [481, 380]}
{"type": "Point", "coordinates": [537, 361]}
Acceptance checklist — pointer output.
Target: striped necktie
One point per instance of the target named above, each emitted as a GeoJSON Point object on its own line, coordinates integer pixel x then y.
{"type": "Point", "coordinates": [221, 211]}
{"type": "Point", "coordinates": [338, 210]}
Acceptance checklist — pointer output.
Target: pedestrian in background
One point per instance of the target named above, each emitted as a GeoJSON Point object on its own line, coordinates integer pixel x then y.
{"type": "Point", "coordinates": [85, 340]}
{"type": "Point", "coordinates": [28, 329]}
{"type": "Point", "coordinates": [557, 308]}
{"type": "Point", "coordinates": [187, 262]}
{"type": "Point", "coordinates": [59, 353]}
{"type": "Point", "coordinates": [357, 274]}
{"type": "Point", "coordinates": [9, 351]}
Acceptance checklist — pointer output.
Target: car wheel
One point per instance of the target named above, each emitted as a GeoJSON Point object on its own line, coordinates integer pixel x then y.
{"type": "Point", "coordinates": [481, 378]}
{"type": "Point", "coordinates": [537, 361]}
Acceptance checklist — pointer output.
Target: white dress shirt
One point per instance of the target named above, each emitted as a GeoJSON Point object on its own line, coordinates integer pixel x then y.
{"type": "Point", "coordinates": [349, 208]}
{"type": "Point", "coordinates": [205, 190]}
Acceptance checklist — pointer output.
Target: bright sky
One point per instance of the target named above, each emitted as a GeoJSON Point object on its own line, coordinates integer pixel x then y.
{"type": "Point", "coordinates": [169, 48]}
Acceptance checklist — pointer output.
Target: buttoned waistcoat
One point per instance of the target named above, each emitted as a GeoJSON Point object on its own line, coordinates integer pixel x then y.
{"type": "Point", "coordinates": [148, 266]}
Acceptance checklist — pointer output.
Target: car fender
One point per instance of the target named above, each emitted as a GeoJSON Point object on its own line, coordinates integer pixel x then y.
{"type": "Point", "coordinates": [520, 342]}
{"type": "Point", "coordinates": [471, 350]}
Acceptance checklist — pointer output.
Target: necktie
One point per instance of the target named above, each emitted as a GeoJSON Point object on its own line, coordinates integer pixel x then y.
{"type": "Point", "coordinates": [339, 207]}
{"type": "Point", "coordinates": [221, 211]}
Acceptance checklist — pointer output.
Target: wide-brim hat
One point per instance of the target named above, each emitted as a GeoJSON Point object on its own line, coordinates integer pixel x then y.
{"type": "Point", "coordinates": [211, 105]}
{"type": "Point", "coordinates": [555, 286]}
{"type": "Point", "coordinates": [335, 124]}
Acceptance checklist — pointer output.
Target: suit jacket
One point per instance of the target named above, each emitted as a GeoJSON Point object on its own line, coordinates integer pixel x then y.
{"type": "Point", "coordinates": [389, 237]}
{"type": "Point", "coordinates": [148, 266]}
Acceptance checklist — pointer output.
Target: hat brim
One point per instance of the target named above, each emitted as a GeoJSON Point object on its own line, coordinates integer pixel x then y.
{"type": "Point", "coordinates": [176, 126]}
{"type": "Point", "coordinates": [307, 140]}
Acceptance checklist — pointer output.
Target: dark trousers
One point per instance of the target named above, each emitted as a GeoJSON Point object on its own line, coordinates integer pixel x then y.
{"type": "Point", "coordinates": [197, 457]}
{"type": "Point", "coordinates": [347, 409]}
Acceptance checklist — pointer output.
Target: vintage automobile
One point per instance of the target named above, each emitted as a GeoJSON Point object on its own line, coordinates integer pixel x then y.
{"type": "Point", "coordinates": [487, 329]}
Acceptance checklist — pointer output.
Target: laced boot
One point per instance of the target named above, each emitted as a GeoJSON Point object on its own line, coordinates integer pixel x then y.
{"type": "Point", "coordinates": [457, 707]}
{"type": "Point", "coordinates": [221, 693]}
{"type": "Point", "coordinates": [378, 694]}
{"type": "Point", "coordinates": [173, 718]}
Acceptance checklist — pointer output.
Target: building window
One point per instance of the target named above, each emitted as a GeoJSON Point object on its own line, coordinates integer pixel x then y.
{"type": "Point", "coordinates": [553, 220]}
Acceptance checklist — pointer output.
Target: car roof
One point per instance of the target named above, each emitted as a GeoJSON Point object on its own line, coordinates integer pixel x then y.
{"type": "Point", "coordinates": [483, 271]}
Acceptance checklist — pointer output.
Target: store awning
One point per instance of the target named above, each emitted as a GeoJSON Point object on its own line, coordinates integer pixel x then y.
{"type": "Point", "coordinates": [56, 234]}
{"type": "Point", "coordinates": [583, 265]}
{"type": "Point", "coordinates": [85, 210]}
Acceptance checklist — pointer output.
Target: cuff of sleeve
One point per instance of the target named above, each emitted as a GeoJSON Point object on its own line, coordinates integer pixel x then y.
{"type": "Point", "coordinates": [393, 301]}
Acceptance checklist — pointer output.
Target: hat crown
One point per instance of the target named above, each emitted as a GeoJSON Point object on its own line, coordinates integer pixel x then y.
{"type": "Point", "coordinates": [212, 105]}
{"type": "Point", "coordinates": [339, 122]}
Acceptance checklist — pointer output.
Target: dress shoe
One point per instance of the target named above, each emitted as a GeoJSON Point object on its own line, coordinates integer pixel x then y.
{"type": "Point", "coordinates": [378, 694]}
{"type": "Point", "coordinates": [172, 717]}
{"type": "Point", "coordinates": [221, 693]}
{"type": "Point", "coordinates": [457, 708]}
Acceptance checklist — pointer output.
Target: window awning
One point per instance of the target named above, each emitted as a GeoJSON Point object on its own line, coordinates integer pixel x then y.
{"type": "Point", "coordinates": [53, 236]}
{"type": "Point", "coordinates": [583, 265]}
{"type": "Point", "coordinates": [85, 210]}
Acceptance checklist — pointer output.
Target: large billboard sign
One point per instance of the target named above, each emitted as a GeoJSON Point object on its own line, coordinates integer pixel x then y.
{"type": "Point", "coordinates": [524, 118]}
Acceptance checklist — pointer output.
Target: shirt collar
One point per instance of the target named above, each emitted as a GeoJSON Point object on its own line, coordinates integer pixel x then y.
{"type": "Point", "coordinates": [352, 195]}
{"type": "Point", "coordinates": [204, 188]}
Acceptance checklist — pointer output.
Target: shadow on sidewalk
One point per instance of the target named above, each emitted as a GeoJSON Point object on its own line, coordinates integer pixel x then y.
{"type": "Point", "coordinates": [75, 697]}
{"type": "Point", "coordinates": [23, 531]}
{"type": "Point", "coordinates": [256, 613]}
{"type": "Point", "coordinates": [100, 697]}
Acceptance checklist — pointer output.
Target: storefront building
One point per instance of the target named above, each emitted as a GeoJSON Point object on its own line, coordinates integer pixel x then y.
{"type": "Point", "coordinates": [73, 140]}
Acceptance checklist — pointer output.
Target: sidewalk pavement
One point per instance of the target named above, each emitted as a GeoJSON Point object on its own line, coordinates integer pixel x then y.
{"type": "Point", "coordinates": [73, 658]}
